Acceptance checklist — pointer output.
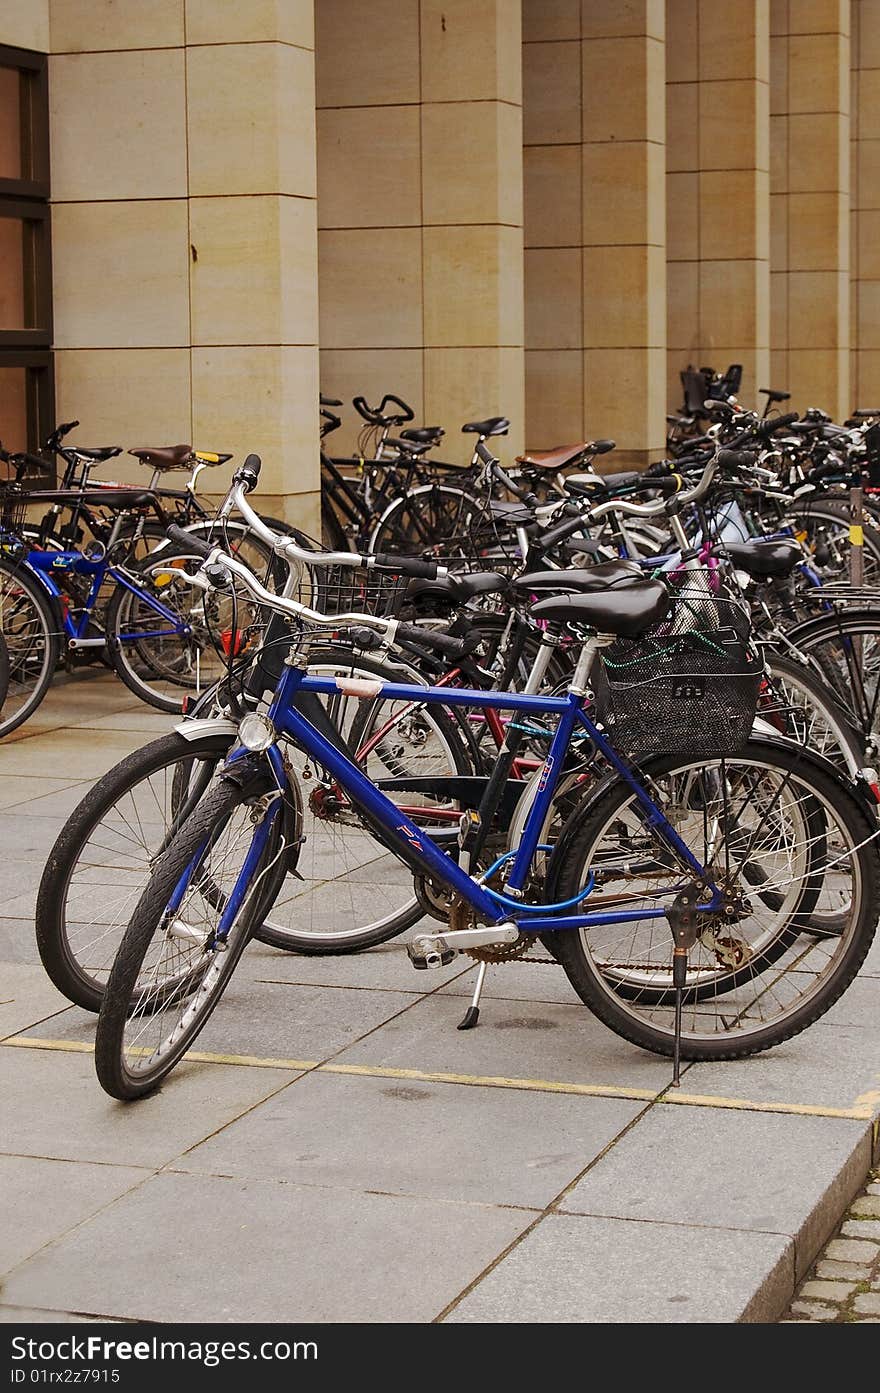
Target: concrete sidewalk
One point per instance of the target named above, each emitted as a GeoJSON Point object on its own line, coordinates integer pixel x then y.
{"type": "Point", "coordinates": [337, 1151]}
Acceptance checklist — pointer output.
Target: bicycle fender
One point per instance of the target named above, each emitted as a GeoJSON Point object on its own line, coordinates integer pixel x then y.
{"type": "Point", "coordinates": [217, 725]}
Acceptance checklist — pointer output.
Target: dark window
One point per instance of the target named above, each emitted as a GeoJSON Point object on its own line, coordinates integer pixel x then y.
{"type": "Point", "coordinates": [27, 395]}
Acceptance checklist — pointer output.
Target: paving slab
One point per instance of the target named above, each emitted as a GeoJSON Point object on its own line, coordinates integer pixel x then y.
{"type": "Point", "coordinates": [27, 839]}
{"type": "Point", "coordinates": [43, 1199]}
{"type": "Point", "coordinates": [826, 1066]}
{"type": "Point", "coordinates": [435, 1140]}
{"type": "Point", "coordinates": [18, 944]}
{"type": "Point", "coordinates": [68, 750]}
{"type": "Point", "coordinates": [533, 1040]}
{"type": "Point", "coordinates": [58, 804]}
{"type": "Point", "coordinates": [519, 981]}
{"type": "Point", "coordinates": [271, 1020]}
{"type": "Point", "coordinates": [26, 997]}
{"type": "Point", "coordinates": [52, 1105]}
{"type": "Point", "coordinates": [665, 1169]}
{"type": "Point", "coordinates": [386, 967]}
{"type": "Point", "coordinates": [15, 791]}
{"type": "Point", "coordinates": [274, 1252]}
{"type": "Point", "coordinates": [574, 1269]}
{"type": "Point", "coordinates": [29, 1315]}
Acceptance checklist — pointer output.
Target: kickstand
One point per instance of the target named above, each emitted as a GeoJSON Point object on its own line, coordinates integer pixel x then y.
{"type": "Point", "coordinates": [472, 1014]}
{"type": "Point", "coordinates": [679, 976]}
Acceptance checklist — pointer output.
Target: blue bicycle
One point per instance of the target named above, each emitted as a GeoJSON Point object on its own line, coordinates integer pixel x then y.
{"type": "Point", "coordinates": [681, 894]}
{"type": "Point", "coordinates": [164, 638]}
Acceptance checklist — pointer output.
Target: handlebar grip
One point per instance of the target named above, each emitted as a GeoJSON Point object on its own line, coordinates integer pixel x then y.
{"type": "Point", "coordinates": [248, 473]}
{"type": "Point", "coordinates": [446, 644]}
{"type": "Point", "coordinates": [661, 470]}
{"type": "Point", "coordinates": [408, 413]}
{"type": "Point", "coordinates": [406, 566]}
{"type": "Point", "coordinates": [68, 426]}
{"type": "Point", "coordinates": [187, 541]}
{"type": "Point", "coordinates": [736, 459]}
{"type": "Point", "coordinates": [559, 533]}
{"type": "Point", "coordinates": [775, 423]}
{"type": "Point", "coordinates": [528, 497]}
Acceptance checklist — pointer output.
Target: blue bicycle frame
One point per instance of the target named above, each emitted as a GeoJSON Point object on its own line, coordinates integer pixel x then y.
{"type": "Point", "coordinates": [45, 565]}
{"type": "Point", "coordinates": [415, 847]}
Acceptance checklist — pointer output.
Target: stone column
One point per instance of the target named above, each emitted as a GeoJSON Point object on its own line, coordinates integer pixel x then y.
{"type": "Point", "coordinates": [810, 196]}
{"type": "Point", "coordinates": [420, 209]}
{"type": "Point", "coordinates": [552, 160]}
{"type": "Point", "coordinates": [624, 238]}
{"type": "Point", "coordinates": [471, 123]}
{"type": "Point", "coordinates": [369, 205]}
{"type": "Point", "coordinates": [718, 190]}
{"type": "Point", "coordinates": [184, 243]}
{"type": "Point", "coordinates": [865, 215]}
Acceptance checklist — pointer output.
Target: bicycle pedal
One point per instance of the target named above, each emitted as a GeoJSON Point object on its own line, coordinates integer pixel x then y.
{"type": "Point", "coordinates": [436, 955]}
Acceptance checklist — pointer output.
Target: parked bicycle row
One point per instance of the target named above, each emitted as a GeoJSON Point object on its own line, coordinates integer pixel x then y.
{"type": "Point", "coordinates": [616, 731]}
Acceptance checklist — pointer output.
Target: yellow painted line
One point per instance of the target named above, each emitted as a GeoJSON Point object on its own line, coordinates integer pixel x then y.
{"type": "Point", "coordinates": [592, 1090]}
{"type": "Point", "coordinates": [250, 1061]}
{"type": "Point", "coordinates": [709, 1100]}
{"type": "Point", "coordinates": [861, 1110]}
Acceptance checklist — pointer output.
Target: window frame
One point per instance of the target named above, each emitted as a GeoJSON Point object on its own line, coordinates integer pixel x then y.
{"type": "Point", "coordinates": [27, 199]}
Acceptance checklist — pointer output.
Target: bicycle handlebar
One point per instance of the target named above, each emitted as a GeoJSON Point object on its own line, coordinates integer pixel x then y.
{"type": "Point", "coordinates": [19, 458]}
{"type": "Point", "coordinates": [243, 481]}
{"type": "Point", "coordinates": [375, 415]}
{"type": "Point", "coordinates": [528, 497]}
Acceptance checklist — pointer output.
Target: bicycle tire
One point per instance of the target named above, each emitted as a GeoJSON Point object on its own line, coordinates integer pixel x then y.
{"type": "Point", "coordinates": [210, 967]}
{"type": "Point", "coordinates": [595, 985]}
{"type": "Point", "coordinates": [31, 630]}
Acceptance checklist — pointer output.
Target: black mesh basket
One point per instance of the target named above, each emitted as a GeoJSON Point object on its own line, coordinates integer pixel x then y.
{"type": "Point", "coordinates": [13, 506]}
{"type": "Point", "coordinates": [690, 684]}
{"type": "Point", "coordinates": [343, 589]}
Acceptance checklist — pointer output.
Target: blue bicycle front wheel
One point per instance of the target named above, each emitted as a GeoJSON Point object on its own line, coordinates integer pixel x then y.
{"type": "Point", "coordinates": [207, 893]}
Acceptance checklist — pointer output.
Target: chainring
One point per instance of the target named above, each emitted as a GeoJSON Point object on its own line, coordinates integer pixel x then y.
{"type": "Point", "coordinates": [460, 917]}
{"type": "Point", "coordinates": [502, 952]}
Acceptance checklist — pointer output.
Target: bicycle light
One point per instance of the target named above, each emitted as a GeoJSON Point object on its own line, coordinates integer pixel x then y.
{"type": "Point", "coordinates": [256, 732]}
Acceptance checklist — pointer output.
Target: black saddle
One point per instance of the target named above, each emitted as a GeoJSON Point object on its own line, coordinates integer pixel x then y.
{"type": "Point", "coordinates": [456, 589]}
{"type": "Point", "coordinates": [408, 447]}
{"type": "Point", "coordinates": [605, 481]}
{"type": "Point", "coordinates": [626, 611]}
{"type": "Point", "coordinates": [423, 435]}
{"type": "Point", "coordinates": [495, 425]}
{"type": "Point", "coordinates": [584, 581]}
{"type": "Point", "coordinates": [98, 452]}
{"type": "Point", "coordinates": [771, 558]}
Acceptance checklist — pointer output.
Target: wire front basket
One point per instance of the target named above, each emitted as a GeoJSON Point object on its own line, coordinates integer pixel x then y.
{"type": "Point", "coordinates": [689, 685]}
{"type": "Point", "coordinates": [342, 590]}
{"type": "Point", "coordinates": [13, 506]}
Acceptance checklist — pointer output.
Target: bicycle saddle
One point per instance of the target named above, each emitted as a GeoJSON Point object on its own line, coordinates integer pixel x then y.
{"type": "Point", "coordinates": [409, 447]}
{"type": "Point", "coordinates": [456, 589]}
{"type": "Point", "coordinates": [588, 483]}
{"type": "Point", "coordinates": [424, 435]}
{"type": "Point", "coordinates": [561, 455]}
{"type": "Point", "coordinates": [493, 425]}
{"type": "Point", "coordinates": [163, 456]}
{"type": "Point", "coordinates": [627, 611]}
{"type": "Point", "coordinates": [771, 558]}
{"type": "Point", "coordinates": [583, 581]}
{"type": "Point", "coordinates": [97, 452]}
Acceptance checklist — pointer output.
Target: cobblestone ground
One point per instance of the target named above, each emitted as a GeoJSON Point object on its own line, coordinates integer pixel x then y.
{"type": "Point", "coordinates": [844, 1283]}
